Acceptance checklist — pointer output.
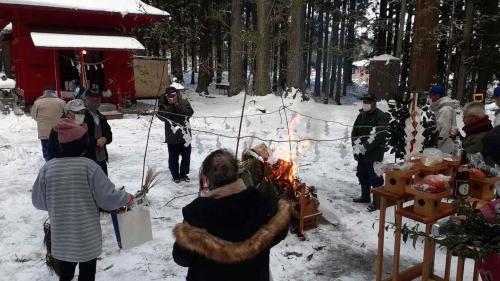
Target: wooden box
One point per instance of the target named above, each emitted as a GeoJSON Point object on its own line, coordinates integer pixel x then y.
{"type": "Point", "coordinates": [482, 188]}
{"type": "Point", "coordinates": [396, 181]}
{"type": "Point", "coordinates": [425, 203]}
{"type": "Point", "coordinates": [430, 170]}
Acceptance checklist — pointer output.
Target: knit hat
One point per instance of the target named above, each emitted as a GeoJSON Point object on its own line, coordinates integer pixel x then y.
{"type": "Point", "coordinates": [496, 92]}
{"type": "Point", "coordinates": [437, 90]}
{"type": "Point", "coordinates": [369, 97]}
{"type": "Point", "coordinates": [72, 137]}
{"type": "Point", "coordinates": [74, 105]}
{"type": "Point", "coordinates": [69, 131]}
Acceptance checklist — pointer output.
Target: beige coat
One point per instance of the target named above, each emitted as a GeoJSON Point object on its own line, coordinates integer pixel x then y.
{"type": "Point", "coordinates": [46, 110]}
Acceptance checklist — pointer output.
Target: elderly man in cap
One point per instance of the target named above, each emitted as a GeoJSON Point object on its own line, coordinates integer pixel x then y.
{"type": "Point", "coordinates": [369, 143]}
{"type": "Point", "coordinates": [476, 128]}
{"type": "Point", "coordinates": [73, 110]}
{"type": "Point", "coordinates": [446, 116]}
{"type": "Point", "coordinates": [46, 111]}
{"type": "Point", "coordinates": [99, 132]}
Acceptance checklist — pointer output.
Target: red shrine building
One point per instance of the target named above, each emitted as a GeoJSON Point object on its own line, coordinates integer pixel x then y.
{"type": "Point", "coordinates": [52, 42]}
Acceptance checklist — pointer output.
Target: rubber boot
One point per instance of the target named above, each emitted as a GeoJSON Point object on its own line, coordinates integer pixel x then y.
{"type": "Point", "coordinates": [365, 195]}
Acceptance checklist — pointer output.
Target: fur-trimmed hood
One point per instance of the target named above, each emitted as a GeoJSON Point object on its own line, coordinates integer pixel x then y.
{"type": "Point", "coordinates": [201, 242]}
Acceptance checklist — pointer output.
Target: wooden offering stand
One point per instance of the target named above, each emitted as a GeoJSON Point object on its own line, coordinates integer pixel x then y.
{"type": "Point", "coordinates": [451, 171]}
{"type": "Point", "coordinates": [427, 204]}
{"type": "Point", "coordinates": [482, 188]}
{"type": "Point", "coordinates": [305, 211]}
{"type": "Point", "coordinates": [396, 180]}
{"type": "Point", "coordinates": [424, 269]}
{"type": "Point", "coordinates": [439, 168]}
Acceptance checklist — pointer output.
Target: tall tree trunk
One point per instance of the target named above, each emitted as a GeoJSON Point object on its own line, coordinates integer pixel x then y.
{"type": "Point", "coordinates": [326, 50]}
{"type": "Point", "coordinates": [177, 63]}
{"type": "Point", "coordinates": [397, 11]}
{"type": "Point", "coordinates": [450, 42]}
{"type": "Point", "coordinates": [406, 48]}
{"type": "Point", "coordinates": [401, 28]}
{"type": "Point", "coordinates": [381, 28]}
{"type": "Point", "coordinates": [462, 72]}
{"type": "Point", "coordinates": [489, 55]}
{"type": "Point", "coordinates": [335, 45]}
{"type": "Point", "coordinates": [424, 46]}
{"type": "Point", "coordinates": [350, 43]}
{"type": "Point", "coordinates": [308, 50]}
{"type": "Point", "coordinates": [248, 12]}
{"type": "Point", "coordinates": [319, 50]}
{"type": "Point", "coordinates": [185, 58]}
{"type": "Point", "coordinates": [236, 80]}
{"type": "Point", "coordinates": [295, 51]}
{"type": "Point", "coordinates": [283, 57]}
{"type": "Point", "coordinates": [205, 48]}
{"type": "Point", "coordinates": [443, 42]}
{"type": "Point", "coordinates": [338, 87]}
{"type": "Point", "coordinates": [390, 28]}
{"type": "Point", "coordinates": [194, 64]}
{"type": "Point", "coordinates": [262, 79]}
{"type": "Point", "coordinates": [219, 53]}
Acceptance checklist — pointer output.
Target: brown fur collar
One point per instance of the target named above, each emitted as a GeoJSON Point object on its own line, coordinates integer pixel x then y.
{"type": "Point", "coordinates": [198, 240]}
{"type": "Point", "coordinates": [227, 190]}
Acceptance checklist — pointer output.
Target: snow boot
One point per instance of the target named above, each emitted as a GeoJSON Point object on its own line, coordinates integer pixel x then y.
{"type": "Point", "coordinates": [365, 195]}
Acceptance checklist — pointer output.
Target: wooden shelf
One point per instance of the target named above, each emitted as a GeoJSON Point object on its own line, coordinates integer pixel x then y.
{"type": "Point", "coordinates": [445, 210]}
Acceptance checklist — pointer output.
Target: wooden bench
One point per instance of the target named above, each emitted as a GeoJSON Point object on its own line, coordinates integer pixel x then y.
{"type": "Point", "coordinates": [223, 88]}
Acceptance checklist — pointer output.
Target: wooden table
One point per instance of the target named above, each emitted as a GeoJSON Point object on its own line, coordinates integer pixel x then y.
{"type": "Point", "coordinates": [424, 269]}
{"type": "Point", "coordinates": [384, 196]}
{"type": "Point", "coordinates": [427, 270]}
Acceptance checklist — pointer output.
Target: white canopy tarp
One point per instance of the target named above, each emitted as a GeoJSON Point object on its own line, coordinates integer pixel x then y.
{"type": "Point", "coordinates": [123, 7]}
{"type": "Point", "coordinates": [84, 41]}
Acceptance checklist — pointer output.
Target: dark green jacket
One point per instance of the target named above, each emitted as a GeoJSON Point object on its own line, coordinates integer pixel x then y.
{"type": "Point", "coordinates": [179, 118]}
{"type": "Point", "coordinates": [363, 126]}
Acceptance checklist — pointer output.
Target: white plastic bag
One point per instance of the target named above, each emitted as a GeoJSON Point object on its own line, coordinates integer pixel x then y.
{"type": "Point", "coordinates": [134, 227]}
{"type": "Point", "coordinates": [432, 156]}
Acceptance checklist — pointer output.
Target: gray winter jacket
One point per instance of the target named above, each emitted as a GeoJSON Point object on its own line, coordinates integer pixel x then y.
{"type": "Point", "coordinates": [446, 118]}
{"type": "Point", "coordinates": [72, 189]}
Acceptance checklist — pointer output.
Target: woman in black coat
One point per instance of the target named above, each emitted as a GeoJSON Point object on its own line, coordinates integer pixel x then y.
{"type": "Point", "coordinates": [228, 232]}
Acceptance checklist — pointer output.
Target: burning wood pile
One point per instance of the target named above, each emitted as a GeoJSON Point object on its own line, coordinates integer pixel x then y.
{"type": "Point", "coordinates": [279, 180]}
{"type": "Point", "coordinates": [303, 197]}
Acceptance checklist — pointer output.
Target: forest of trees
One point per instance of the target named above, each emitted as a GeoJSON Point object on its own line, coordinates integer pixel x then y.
{"type": "Point", "coordinates": [269, 46]}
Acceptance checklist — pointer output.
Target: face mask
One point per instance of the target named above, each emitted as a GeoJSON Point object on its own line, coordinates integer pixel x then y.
{"type": "Point", "coordinates": [79, 118]}
{"type": "Point", "coordinates": [429, 100]}
{"type": "Point", "coordinates": [366, 107]}
{"type": "Point", "coordinates": [94, 106]}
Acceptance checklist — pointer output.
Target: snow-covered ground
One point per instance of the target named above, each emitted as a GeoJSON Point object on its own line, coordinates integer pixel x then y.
{"type": "Point", "coordinates": [342, 248]}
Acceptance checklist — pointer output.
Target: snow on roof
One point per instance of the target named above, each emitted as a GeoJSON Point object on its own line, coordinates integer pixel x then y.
{"type": "Point", "coordinates": [6, 83]}
{"type": "Point", "coordinates": [384, 57]}
{"type": "Point", "coordinates": [361, 63]}
{"type": "Point", "coordinates": [123, 7]}
{"type": "Point", "coordinates": [7, 29]}
{"type": "Point", "coordinates": [80, 41]}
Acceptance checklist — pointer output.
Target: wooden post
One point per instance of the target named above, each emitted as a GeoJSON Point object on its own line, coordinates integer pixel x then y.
{"type": "Point", "coordinates": [475, 277]}
{"type": "Point", "coordinates": [447, 266]}
{"type": "Point", "coordinates": [460, 269]}
{"type": "Point", "coordinates": [397, 241]}
{"type": "Point", "coordinates": [381, 233]}
{"type": "Point", "coordinates": [427, 264]}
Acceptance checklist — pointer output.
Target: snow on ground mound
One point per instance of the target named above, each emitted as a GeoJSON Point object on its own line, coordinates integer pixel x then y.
{"type": "Point", "coordinates": [342, 250]}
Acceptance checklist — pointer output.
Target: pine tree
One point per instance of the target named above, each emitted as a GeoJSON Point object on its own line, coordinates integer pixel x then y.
{"type": "Point", "coordinates": [400, 112]}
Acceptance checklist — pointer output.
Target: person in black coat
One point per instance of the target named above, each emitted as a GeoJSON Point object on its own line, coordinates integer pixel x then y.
{"type": "Point", "coordinates": [229, 230]}
{"type": "Point", "coordinates": [99, 130]}
{"type": "Point", "coordinates": [175, 112]}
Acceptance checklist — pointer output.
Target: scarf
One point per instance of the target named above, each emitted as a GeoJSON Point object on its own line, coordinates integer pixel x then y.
{"type": "Point", "coordinates": [479, 126]}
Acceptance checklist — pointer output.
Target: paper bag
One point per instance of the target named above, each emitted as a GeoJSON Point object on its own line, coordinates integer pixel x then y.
{"type": "Point", "coordinates": [133, 227]}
